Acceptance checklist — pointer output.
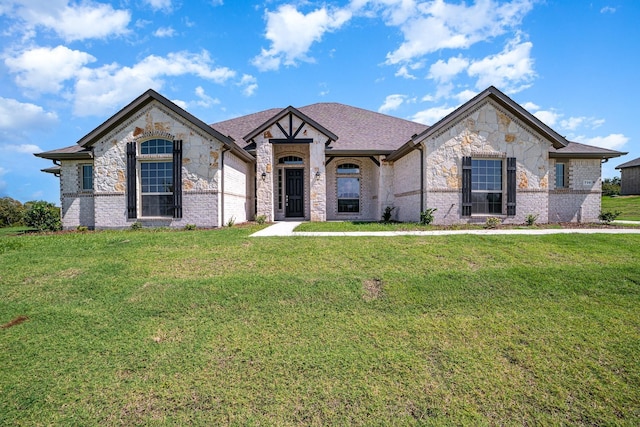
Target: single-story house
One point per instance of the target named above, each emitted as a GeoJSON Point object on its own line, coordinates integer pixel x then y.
{"type": "Point", "coordinates": [630, 177]}
{"type": "Point", "coordinates": [156, 164]}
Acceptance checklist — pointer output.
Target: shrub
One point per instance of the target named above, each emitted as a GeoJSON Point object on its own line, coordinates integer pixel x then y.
{"type": "Point", "coordinates": [43, 216]}
{"type": "Point", "coordinates": [136, 226]}
{"type": "Point", "coordinates": [386, 215]}
{"type": "Point", "coordinates": [426, 216]}
{"type": "Point", "coordinates": [11, 212]}
{"type": "Point", "coordinates": [261, 219]}
{"type": "Point", "coordinates": [82, 228]}
{"type": "Point", "coordinates": [492, 222]}
{"type": "Point", "coordinates": [531, 219]}
{"type": "Point", "coordinates": [608, 216]}
{"type": "Point", "coordinates": [231, 221]}
{"type": "Point", "coordinates": [190, 227]}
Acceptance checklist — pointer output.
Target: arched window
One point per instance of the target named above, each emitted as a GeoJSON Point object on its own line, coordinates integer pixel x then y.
{"type": "Point", "coordinates": [348, 187]}
{"type": "Point", "coordinates": [156, 146]}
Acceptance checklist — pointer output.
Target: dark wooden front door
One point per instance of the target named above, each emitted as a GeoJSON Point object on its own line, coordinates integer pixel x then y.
{"type": "Point", "coordinates": [294, 196]}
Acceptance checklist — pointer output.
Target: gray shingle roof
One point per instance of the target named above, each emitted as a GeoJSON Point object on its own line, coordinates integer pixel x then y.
{"type": "Point", "coordinates": [71, 152]}
{"type": "Point", "coordinates": [629, 164]}
{"type": "Point", "coordinates": [583, 150]}
{"type": "Point", "coordinates": [357, 129]}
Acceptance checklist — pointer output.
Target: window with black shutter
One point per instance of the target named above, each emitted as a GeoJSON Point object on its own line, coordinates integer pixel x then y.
{"type": "Point", "coordinates": [511, 186]}
{"type": "Point", "coordinates": [177, 179]}
{"type": "Point", "coordinates": [466, 186]}
{"type": "Point", "coordinates": [132, 210]}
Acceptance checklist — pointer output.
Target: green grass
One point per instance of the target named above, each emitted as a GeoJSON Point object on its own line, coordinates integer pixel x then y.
{"type": "Point", "coordinates": [216, 328]}
{"type": "Point", "coordinates": [629, 206]}
{"type": "Point", "coordinates": [12, 231]}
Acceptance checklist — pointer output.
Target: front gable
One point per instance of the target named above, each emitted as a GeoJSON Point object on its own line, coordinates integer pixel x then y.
{"type": "Point", "coordinates": [291, 126]}
{"type": "Point", "coordinates": [487, 131]}
{"type": "Point", "coordinates": [201, 152]}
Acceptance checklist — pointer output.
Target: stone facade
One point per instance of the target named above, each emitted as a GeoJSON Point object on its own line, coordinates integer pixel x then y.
{"type": "Point", "coordinates": [223, 184]}
{"type": "Point", "coordinates": [487, 132]}
{"type": "Point", "coordinates": [267, 157]}
{"type": "Point", "coordinates": [106, 207]}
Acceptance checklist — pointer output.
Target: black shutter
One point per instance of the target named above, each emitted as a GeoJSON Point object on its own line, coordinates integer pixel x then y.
{"type": "Point", "coordinates": [466, 186]}
{"type": "Point", "coordinates": [177, 179]}
{"type": "Point", "coordinates": [132, 211]}
{"type": "Point", "coordinates": [511, 186]}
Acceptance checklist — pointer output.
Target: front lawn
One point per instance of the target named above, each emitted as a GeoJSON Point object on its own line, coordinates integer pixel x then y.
{"type": "Point", "coordinates": [217, 328]}
{"type": "Point", "coordinates": [628, 206]}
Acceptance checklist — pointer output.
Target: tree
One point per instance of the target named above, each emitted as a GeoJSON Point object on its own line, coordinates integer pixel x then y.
{"type": "Point", "coordinates": [11, 212]}
{"type": "Point", "coordinates": [611, 186]}
{"type": "Point", "coordinates": [42, 215]}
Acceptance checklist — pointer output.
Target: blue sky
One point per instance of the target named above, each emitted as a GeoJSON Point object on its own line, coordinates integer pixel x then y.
{"type": "Point", "coordinates": [66, 66]}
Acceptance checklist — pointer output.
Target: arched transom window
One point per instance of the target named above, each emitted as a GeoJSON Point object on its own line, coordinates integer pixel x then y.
{"type": "Point", "coordinates": [291, 160]}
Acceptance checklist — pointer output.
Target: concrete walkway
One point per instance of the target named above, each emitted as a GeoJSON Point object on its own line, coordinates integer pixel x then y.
{"type": "Point", "coordinates": [285, 228]}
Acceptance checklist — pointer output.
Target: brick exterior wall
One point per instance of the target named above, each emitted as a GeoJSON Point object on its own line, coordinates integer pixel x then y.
{"type": "Point", "coordinates": [580, 201]}
{"type": "Point", "coordinates": [77, 205]}
{"type": "Point", "coordinates": [369, 178]}
{"type": "Point", "coordinates": [406, 187]}
{"type": "Point", "coordinates": [236, 198]}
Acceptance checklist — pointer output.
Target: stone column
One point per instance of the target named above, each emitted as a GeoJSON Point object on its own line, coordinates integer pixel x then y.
{"type": "Point", "coordinates": [264, 179]}
{"type": "Point", "coordinates": [318, 181]}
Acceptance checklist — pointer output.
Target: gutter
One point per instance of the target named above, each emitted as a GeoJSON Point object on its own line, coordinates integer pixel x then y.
{"type": "Point", "coordinates": [419, 147]}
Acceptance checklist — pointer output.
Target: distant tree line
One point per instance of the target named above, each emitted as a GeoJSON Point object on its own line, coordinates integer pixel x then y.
{"type": "Point", "coordinates": [611, 186]}
{"type": "Point", "coordinates": [38, 214]}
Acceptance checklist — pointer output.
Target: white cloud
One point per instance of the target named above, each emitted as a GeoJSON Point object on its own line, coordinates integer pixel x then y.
{"type": "Point", "coordinates": [510, 70]}
{"type": "Point", "coordinates": [404, 72]}
{"type": "Point", "coordinates": [159, 4]}
{"type": "Point", "coordinates": [18, 116]}
{"type": "Point", "coordinates": [465, 95]}
{"type": "Point", "coordinates": [613, 141]}
{"type": "Point", "coordinates": [608, 9]}
{"type": "Point", "coordinates": [392, 102]}
{"type": "Point", "coordinates": [548, 117]}
{"type": "Point", "coordinates": [180, 103]}
{"type": "Point", "coordinates": [22, 148]}
{"type": "Point", "coordinates": [164, 32]}
{"type": "Point", "coordinates": [249, 84]}
{"type": "Point", "coordinates": [436, 25]}
{"type": "Point", "coordinates": [530, 106]}
{"type": "Point", "coordinates": [205, 100]}
{"type": "Point", "coordinates": [292, 33]}
{"type": "Point", "coordinates": [71, 21]}
{"type": "Point", "coordinates": [443, 71]}
{"type": "Point", "coordinates": [99, 91]}
{"type": "Point", "coordinates": [432, 115]}
{"type": "Point", "coordinates": [44, 69]}
{"type": "Point", "coordinates": [572, 123]}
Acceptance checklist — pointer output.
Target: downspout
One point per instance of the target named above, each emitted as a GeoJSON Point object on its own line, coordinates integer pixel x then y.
{"type": "Point", "coordinates": [419, 146]}
{"type": "Point", "coordinates": [222, 186]}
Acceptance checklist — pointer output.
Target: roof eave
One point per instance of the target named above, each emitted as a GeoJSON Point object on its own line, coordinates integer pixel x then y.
{"type": "Point", "coordinates": [356, 153]}
{"type": "Point", "coordinates": [405, 149]}
{"type": "Point", "coordinates": [65, 156]}
{"type": "Point", "coordinates": [557, 155]}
